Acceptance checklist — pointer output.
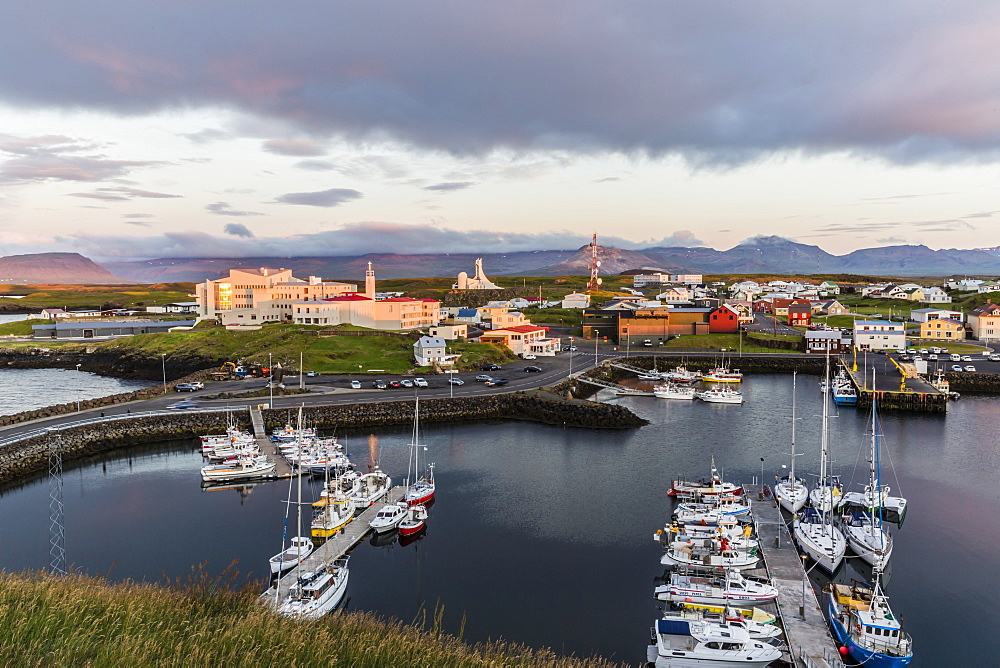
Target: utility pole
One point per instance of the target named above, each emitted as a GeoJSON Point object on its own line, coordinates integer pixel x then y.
{"type": "Point", "coordinates": [597, 337]}
{"type": "Point", "coordinates": [163, 363]}
{"type": "Point", "coordinates": [270, 382]}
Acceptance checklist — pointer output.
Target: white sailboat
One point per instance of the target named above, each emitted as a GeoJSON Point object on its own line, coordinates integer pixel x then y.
{"type": "Point", "coordinates": [317, 592]}
{"type": "Point", "coordinates": [791, 492]}
{"type": "Point", "coordinates": [418, 490]}
{"type": "Point", "coordinates": [814, 533]}
{"type": "Point", "coordinates": [301, 546]}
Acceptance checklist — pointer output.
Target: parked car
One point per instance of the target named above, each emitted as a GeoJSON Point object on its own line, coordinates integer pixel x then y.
{"type": "Point", "coordinates": [568, 348]}
{"type": "Point", "coordinates": [956, 367]}
{"type": "Point", "coordinates": [395, 385]}
{"type": "Point", "coordinates": [969, 367]}
{"type": "Point", "coordinates": [528, 356]}
{"type": "Point", "coordinates": [956, 358]}
{"type": "Point", "coordinates": [406, 382]}
{"type": "Point", "coordinates": [311, 374]}
{"type": "Point", "coordinates": [355, 384]}
{"type": "Point", "coordinates": [924, 351]}
{"type": "Point", "coordinates": [490, 367]}
{"type": "Point", "coordinates": [966, 358]}
{"type": "Point", "coordinates": [483, 377]}
{"type": "Point", "coordinates": [532, 369]}
{"type": "Point", "coordinates": [456, 381]}
{"type": "Point", "coordinates": [379, 385]}
{"type": "Point", "coordinates": [995, 358]}
{"type": "Point", "coordinates": [189, 387]}
{"type": "Point", "coordinates": [180, 405]}
{"type": "Point", "coordinates": [420, 382]}
{"type": "Point", "coordinates": [932, 356]}
{"type": "Point", "coordinates": [492, 382]}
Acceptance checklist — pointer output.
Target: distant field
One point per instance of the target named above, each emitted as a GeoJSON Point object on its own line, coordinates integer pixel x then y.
{"type": "Point", "coordinates": [93, 296]}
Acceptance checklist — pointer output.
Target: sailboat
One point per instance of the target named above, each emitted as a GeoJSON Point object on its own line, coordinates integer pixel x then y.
{"type": "Point", "coordinates": [863, 622]}
{"type": "Point", "coordinates": [418, 490]}
{"type": "Point", "coordinates": [814, 533]}
{"type": "Point", "coordinates": [301, 546]}
{"type": "Point", "coordinates": [827, 493]}
{"type": "Point", "coordinates": [865, 534]}
{"type": "Point", "coordinates": [791, 492]}
{"type": "Point", "coordinates": [704, 490]}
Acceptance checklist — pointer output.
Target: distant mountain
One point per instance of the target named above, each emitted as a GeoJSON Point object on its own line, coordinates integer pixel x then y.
{"type": "Point", "coordinates": [613, 261]}
{"type": "Point", "coordinates": [70, 268]}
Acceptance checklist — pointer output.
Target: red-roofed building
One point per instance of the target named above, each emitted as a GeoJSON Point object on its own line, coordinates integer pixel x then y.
{"type": "Point", "coordinates": [396, 314]}
{"type": "Point", "coordinates": [522, 339]}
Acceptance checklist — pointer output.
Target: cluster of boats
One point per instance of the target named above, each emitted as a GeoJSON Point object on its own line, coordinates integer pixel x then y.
{"type": "Point", "coordinates": [234, 455]}
{"type": "Point", "coordinates": [842, 389]}
{"type": "Point", "coordinates": [711, 616]}
{"type": "Point", "coordinates": [679, 384]}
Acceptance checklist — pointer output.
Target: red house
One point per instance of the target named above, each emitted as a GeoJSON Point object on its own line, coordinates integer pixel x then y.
{"type": "Point", "coordinates": [800, 315]}
{"type": "Point", "coordinates": [723, 320]}
{"type": "Point", "coordinates": [763, 306]}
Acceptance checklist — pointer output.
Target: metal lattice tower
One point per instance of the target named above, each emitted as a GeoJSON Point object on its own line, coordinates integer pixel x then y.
{"type": "Point", "coordinates": [57, 529]}
{"type": "Point", "coordinates": [594, 283]}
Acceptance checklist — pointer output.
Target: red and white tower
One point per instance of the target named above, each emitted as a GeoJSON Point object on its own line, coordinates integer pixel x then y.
{"type": "Point", "coordinates": [594, 283]}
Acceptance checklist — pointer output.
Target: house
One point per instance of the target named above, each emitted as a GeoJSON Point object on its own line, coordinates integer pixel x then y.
{"type": "Point", "coordinates": [936, 296]}
{"type": "Point", "coordinates": [829, 307]}
{"type": "Point", "coordinates": [763, 306]}
{"type": "Point", "coordinates": [744, 309]}
{"type": "Point", "coordinates": [48, 314]}
{"type": "Point", "coordinates": [828, 340]}
{"type": "Point", "coordinates": [781, 306]}
{"type": "Point", "coordinates": [468, 315]}
{"type": "Point", "coordinates": [576, 300]}
{"type": "Point", "coordinates": [925, 314]}
{"type": "Point", "coordinates": [988, 286]}
{"type": "Point", "coordinates": [675, 295]}
{"type": "Point", "coordinates": [429, 349]}
{"type": "Point", "coordinates": [874, 290]}
{"type": "Point", "coordinates": [914, 294]}
{"type": "Point", "coordinates": [176, 307]}
{"type": "Point", "coordinates": [828, 288]}
{"type": "Point", "coordinates": [523, 339]}
{"type": "Point", "coordinates": [449, 331]}
{"type": "Point", "coordinates": [800, 315]}
{"type": "Point", "coordinates": [942, 328]}
{"type": "Point", "coordinates": [879, 335]}
{"type": "Point", "coordinates": [984, 322]}
{"type": "Point", "coordinates": [508, 319]}
{"type": "Point", "coordinates": [724, 320]}
{"type": "Point", "coordinates": [67, 329]}
{"type": "Point", "coordinates": [656, 279]}
{"type": "Point", "coordinates": [893, 292]}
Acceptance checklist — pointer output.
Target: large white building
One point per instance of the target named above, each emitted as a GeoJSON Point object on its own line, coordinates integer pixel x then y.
{"type": "Point", "coordinates": [879, 335]}
{"type": "Point", "coordinates": [252, 296]}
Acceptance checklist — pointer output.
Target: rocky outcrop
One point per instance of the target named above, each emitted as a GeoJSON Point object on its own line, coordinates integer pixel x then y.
{"type": "Point", "coordinates": [118, 363]}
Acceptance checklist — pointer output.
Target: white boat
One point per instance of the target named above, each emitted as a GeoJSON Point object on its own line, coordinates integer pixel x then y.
{"type": "Point", "coordinates": [681, 374]}
{"type": "Point", "coordinates": [704, 491]}
{"type": "Point", "coordinates": [715, 587]}
{"type": "Point", "coordinates": [814, 532]}
{"type": "Point", "coordinates": [721, 395]}
{"type": "Point", "coordinates": [863, 623]}
{"type": "Point", "coordinates": [370, 488]}
{"type": "Point", "coordinates": [863, 528]}
{"type": "Point", "coordinates": [679, 643]}
{"type": "Point", "coordinates": [332, 512]}
{"type": "Point", "coordinates": [673, 391]}
{"type": "Point", "coordinates": [757, 630]}
{"type": "Point", "coordinates": [893, 507]}
{"type": "Point", "coordinates": [415, 520]}
{"type": "Point", "coordinates": [752, 614]}
{"type": "Point", "coordinates": [316, 592]}
{"type": "Point", "coordinates": [791, 492]}
{"type": "Point", "coordinates": [388, 517]}
{"type": "Point", "coordinates": [826, 495]}
{"type": "Point", "coordinates": [649, 376]}
{"type": "Point", "coordinates": [721, 374]}
{"type": "Point", "coordinates": [418, 490]}
{"type": "Point", "coordinates": [239, 469]}
{"type": "Point", "coordinates": [738, 535]}
{"type": "Point", "coordinates": [711, 552]}
{"type": "Point", "coordinates": [712, 513]}
{"type": "Point", "coordinates": [300, 548]}
{"type": "Point", "coordinates": [288, 433]}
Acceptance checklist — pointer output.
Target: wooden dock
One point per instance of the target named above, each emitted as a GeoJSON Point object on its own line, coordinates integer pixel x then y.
{"type": "Point", "coordinates": [336, 546]}
{"type": "Point", "coordinates": [282, 469]}
{"type": "Point", "coordinates": [806, 631]}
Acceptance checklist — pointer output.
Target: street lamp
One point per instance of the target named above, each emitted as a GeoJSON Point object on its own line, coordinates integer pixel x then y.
{"type": "Point", "coordinates": [597, 337]}
{"type": "Point", "coordinates": [270, 382]}
{"type": "Point", "coordinates": [78, 394]}
{"type": "Point", "coordinates": [571, 351]}
{"type": "Point", "coordinates": [163, 364]}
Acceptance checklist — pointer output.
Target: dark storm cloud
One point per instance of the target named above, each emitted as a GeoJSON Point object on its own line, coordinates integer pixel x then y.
{"type": "Point", "coordinates": [325, 198]}
{"type": "Point", "coordinates": [451, 186]}
{"type": "Point", "coordinates": [238, 230]}
{"type": "Point", "coordinates": [225, 209]}
{"type": "Point", "coordinates": [719, 82]}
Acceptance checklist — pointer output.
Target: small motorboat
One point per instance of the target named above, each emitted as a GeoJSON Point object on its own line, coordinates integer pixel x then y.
{"type": "Point", "coordinates": [674, 391]}
{"type": "Point", "coordinates": [721, 586]}
{"type": "Point", "coordinates": [300, 548]}
{"type": "Point", "coordinates": [415, 520]}
{"type": "Point", "coordinates": [721, 374]}
{"type": "Point", "coordinates": [757, 630]}
{"type": "Point", "coordinates": [317, 592]}
{"type": "Point", "coordinates": [704, 491]}
{"type": "Point", "coordinates": [369, 488]}
{"type": "Point", "coordinates": [388, 517]}
{"type": "Point", "coordinates": [683, 642]}
{"type": "Point", "coordinates": [711, 552]}
{"type": "Point", "coordinates": [239, 469]}
{"type": "Point", "coordinates": [721, 395]}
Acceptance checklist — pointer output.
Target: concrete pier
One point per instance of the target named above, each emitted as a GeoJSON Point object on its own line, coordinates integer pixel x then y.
{"type": "Point", "coordinates": [897, 386]}
{"type": "Point", "coordinates": [282, 469]}
{"type": "Point", "coordinates": [806, 630]}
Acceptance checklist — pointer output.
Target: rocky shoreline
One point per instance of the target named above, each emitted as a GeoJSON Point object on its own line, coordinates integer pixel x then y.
{"type": "Point", "coordinates": [105, 363]}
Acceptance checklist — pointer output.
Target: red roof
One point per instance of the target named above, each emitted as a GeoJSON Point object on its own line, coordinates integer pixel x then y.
{"type": "Point", "coordinates": [353, 297]}
{"type": "Point", "coordinates": [523, 329]}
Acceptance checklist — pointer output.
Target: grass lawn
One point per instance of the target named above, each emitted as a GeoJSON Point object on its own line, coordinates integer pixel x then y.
{"type": "Point", "coordinates": [96, 296]}
{"type": "Point", "coordinates": [731, 342]}
{"type": "Point", "coordinates": [19, 327]}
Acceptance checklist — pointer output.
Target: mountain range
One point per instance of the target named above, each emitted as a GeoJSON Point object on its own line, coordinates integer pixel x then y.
{"type": "Point", "coordinates": [760, 255]}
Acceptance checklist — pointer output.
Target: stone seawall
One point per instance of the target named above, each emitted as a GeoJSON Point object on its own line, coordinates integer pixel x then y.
{"type": "Point", "coordinates": [31, 456]}
{"type": "Point", "coordinates": [973, 383]}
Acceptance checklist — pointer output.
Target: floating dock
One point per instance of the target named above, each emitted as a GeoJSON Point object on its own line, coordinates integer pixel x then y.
{"type": "Point", "coordinates": [282, 469]}
{"type": "Point", "coordinates": [336, 546]}
{"type": "Point", "coordinates": [806, 631]}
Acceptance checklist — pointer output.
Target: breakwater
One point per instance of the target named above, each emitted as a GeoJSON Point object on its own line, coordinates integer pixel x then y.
{"type": "Point", "coordinates": [973, 383]}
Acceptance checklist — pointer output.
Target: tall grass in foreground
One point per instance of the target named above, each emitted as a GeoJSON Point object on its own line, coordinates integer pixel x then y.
{"type": "Point", "coordinates": [78, 620]}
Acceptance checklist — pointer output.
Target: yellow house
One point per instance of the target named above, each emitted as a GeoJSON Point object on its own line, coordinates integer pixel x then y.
{"type": "Point", "coordinates": [985, 322]}
{"type": "Point", "coordinates": [942, 328]}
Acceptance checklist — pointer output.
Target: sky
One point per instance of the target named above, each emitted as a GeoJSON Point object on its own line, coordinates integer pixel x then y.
{"type": "Point", "coordinates": [133, 130]}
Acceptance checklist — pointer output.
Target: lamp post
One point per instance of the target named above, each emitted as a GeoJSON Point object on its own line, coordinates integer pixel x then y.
{"type": "Point", "coordinates": [597, 337]}
{"type": "Point", "coordinates": [163, 364]}
{"type": "Point", "coordinates": [78, 394]}
{"type": "Point", "coordinates": [270, 382]}
{"type": "Point", "coordinates": [571, 351]}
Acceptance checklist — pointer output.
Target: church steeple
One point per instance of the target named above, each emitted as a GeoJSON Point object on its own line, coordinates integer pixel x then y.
{"type": "Point", "coordinates": [370, 282]}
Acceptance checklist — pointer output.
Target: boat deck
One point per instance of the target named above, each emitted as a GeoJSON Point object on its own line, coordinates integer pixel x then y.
{"type": "Point", "coordinates": [281, 467]}
{"type": "Point", "coordinates": [806, 630]}
{"type": "Point", "coordinates": [338, 545]}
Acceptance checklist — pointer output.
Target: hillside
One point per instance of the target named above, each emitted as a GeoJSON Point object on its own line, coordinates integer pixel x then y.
{"type": "Point", "coordinates": [44, 268]}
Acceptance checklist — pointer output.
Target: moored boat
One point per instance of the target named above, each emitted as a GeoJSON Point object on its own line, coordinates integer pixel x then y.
{"type": "Point", "coordinates": [863, 623]}
{"type": "Point", "coordinates": [296, 553]}
{"type": "Point", "coordinates": [677, 643]}
{"type": "Point", "coordinates": [755, 629]}
{"type": "Point", "coordinates": [332, 513]}
{"type": "Point", "coordinates": [419, 490]}
{"type": "Point", "coordinates": [711, 552]}
{"type": "Point", "coordinates": [316, 592]}
{"type": "Point", "coordinates": [720, 586]}
{"type": "Point", "coordinates": [791, 492]}
{"type": "Point", "coordinates": [705, 491]}
{"type": "Point", "coordinates": [239, 469]}
{"type": "Point", "coordinates": [721, 374]}
{"type": "Point", "coordinates": [674, 391]}
{"type": "Point", "coordinates": [388, 518]}
{"type": "Point", "coordinates": [721, 395]}
{"type": "Point", "coordinates": [415, 520]}
{"type": "Point", "coordinates": [370, 488]}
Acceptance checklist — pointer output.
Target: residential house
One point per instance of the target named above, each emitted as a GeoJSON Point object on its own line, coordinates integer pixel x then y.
{"type": "Point", "coordinates": [675, 295]}
{"type": "Point", "coordinates": [936, 296]}
{"type": "Point", "coordinates": [763, 306]}
{"type": "Point", "coordinates": [576, 300]}
{"type": "Point", "coordinates": [469, 316]}
{"type": "Point", "coordinates": [969, 284]}
{"type": "Point", "coordinates": [449, 330]}
{"type": "Point", "coordinates": [942, 328]}
{"type": "Point", "coordinates": [988, 286]}
{"type": "Point", "coordinates": [829, 307]}
{"type": "Point", "coordinates": [744, 309]}
{"type": "Point", "coordinates": [879, 335]}
{"type": "Point", "coordinates": [893, 292]}
{"type": "Point", "coordinates": [523, 339]}
{"type": "Point", "coordinates": [874, 290]}
{"type": "Point", "coordinates": [800, 314]}
{"type": "Point", "coordinates": [429, 349]}
{"type": "Point", "coordinates": [724, 320]}
{"type": "Point", "coordinates": [507, 318]}
{"type": "Point", "coordinates": [925, 314]}
{"type": "Point", "coordinates": [828, 288]}
{"type": "Point", "coordinates": [176, 307]}
{"type": "Point", "coordinates": [984, 322]}
{"type": "Point", "coordinates": [914, 294]}
{"type": "Point", "coordinates": [781, 306]}
{"type": "Point", "coordinates": [828, 340]}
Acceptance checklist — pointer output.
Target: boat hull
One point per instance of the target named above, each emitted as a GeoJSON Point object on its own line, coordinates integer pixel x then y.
{"type": "Point", "coordinates": [410, 528]}
{"type": "Point", "coordinates": [863, 656]}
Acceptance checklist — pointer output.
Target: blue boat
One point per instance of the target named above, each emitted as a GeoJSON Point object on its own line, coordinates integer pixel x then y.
{"type": "Point", "coordinates": [863, 623]}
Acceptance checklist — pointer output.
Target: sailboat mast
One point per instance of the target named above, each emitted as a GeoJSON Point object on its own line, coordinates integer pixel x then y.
{"type": "Point", "coordinates": [791, 475]}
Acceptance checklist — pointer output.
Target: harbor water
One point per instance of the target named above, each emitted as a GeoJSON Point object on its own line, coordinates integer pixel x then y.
{"type": "Point", "coordinates": [543, 535]}
{"type": "Point", "coordinates": [30, 389]}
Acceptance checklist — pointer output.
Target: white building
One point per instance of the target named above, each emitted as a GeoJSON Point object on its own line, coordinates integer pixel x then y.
{"type": "Point", "coordinates": [927, 314]}
{"type": "Point", "coordinates": [936, 296]}
{"type": "Point", "coordinates": [675, 295]}
{"type": "Point", "coordinates": [264, 294]}
{"type": "Point", "coordinates": [879, 335]}
{"type": "Point", "coordinates": [655, 279]}
{"type": "Point", "coordinates": [576, 300]}
{"type": "Point", "coordinates": [429, 349]}
{"type": "Point", "coordinates": [687, 279]}
{"type": "Point", "coordinates": [477, 282]}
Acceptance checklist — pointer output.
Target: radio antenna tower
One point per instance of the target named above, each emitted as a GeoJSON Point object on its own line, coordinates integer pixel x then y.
{"type": "Point", "coordinates": [57, 529]}
{"type": "Point", "coordinates": [594, 283]}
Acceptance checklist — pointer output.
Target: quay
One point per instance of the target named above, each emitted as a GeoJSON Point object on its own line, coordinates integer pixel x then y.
{"type": "Point", "coordinates": [898, 387]}
{"type": "Point", "coordinates": [806, 631]}
{"type": "Point", "coordinates": [282, 469]}
{"type": "Point", "coordinates": [335, 546]}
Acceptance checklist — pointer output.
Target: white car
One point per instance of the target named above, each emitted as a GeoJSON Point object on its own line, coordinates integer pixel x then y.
{"type": "Point", "coordinates": [966, 358]}
{"type": "Point", "coordinates": [355, 384]}
{"type": "Point", "coordinates": [956, 367]}
{"type": "Point", "coordinates": [420, 382]}
{"type": "Point", "coordinates": [969, 367]}
{"type": "Point", "coordinates": [995, 358]}
{"type": "Point", "coordinates": [932, 356]}
{"type": "Point", "coordinates": [529, 356]}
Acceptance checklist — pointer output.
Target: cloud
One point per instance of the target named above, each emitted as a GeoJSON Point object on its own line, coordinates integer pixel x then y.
{"type": "Point", "coordinates": [138, 215]}
{"type": "Point", "coordinates": [140, 223]}
{"type": "Point", "coordinates": [450, 186]}
{"type": "Point", "coordinates": [315, 165]}
{"type": "Point", "coordinates": [683, 238]}
{"type": "Point", "coordinates": [891, 240]}
{"type": "Point", "coordinates": [122, 194]}
{"type": "Point", "coordinates": [238, 230]}
{"type": "Point", "coordinates": [295, 147]}
{"type": "Point", "coordinates": [324, 198]}
{"type": "Point", "coordinates": [224, 209]}
{"type": "Point", "coordinates": [46, 166]}
{"type": "Point", "coordinates": [607, 179]}
{"type": "Point", "coordinates": [719, 83]}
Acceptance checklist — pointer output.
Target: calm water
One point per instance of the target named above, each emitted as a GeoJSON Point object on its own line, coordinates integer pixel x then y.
{"type": "Point", "coordinates": [543, 535]}
{"type": "Point", "coordinates": [28, 389]}
{"type": "Point", "coordinates": [12, 317]}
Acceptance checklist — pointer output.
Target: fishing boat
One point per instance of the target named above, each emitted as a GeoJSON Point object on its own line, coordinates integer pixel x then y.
{"type": "Point", "coordinates": [388, 518]}
{"type": "Point", "coordinates": [300, 548]}
{"type": "Point", "coordinates": [757, 630]}
{"type": "Point", "coordinates": [369, 488]}
{"type": "Point", "coordinates": [238, 469]}
{"type": "Point", "coordinates": [844, 394]}
{"type": "Point", "coordinates": [418, 490]}
{"type": "Point", "coordinates": [682, 374]}
{"type": "Point", "coordinates": [721, 586]}
{"type": "Point", "coordinates": [712, 513]}
{"type": "Point", "coordinates": [814, 532]}
{"type": "Point", "coordinates": [705, 491]}
{"type": "Point", "coordinates": [711, 552]}
{"type": "Point", "coordinates": [415, 520]}
{"type": "Point", "coordinates": [863, 623]}
{"type": "Point", "coordinates": [316, 592]}
{"type": "Point", "coordinates": [674, 391]}
{"type": "Point", "coordinates": [332, 512]}
{"type": "Point", "coordinates": [721, 374]}
{"type": "Point", "coordinates": [677, 643]}
{"type": "Point", "coordinates": [721, 395]}
{"type": "Point", "coordinates": [753, 614]}
{"type": "Point", "coordinates": [791, 492]}
{"type": "Point", "coordinates": [289, 433]}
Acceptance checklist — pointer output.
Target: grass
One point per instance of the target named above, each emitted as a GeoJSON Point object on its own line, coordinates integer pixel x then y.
{"type": "Point", "coordinates": [18, 327]}
{"type": "Point", "coordinates": [564, 317]}
{"type": "Point", "coordinates": [730, 342]}
{"type": "Point", "coordinates": [77, 620]}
